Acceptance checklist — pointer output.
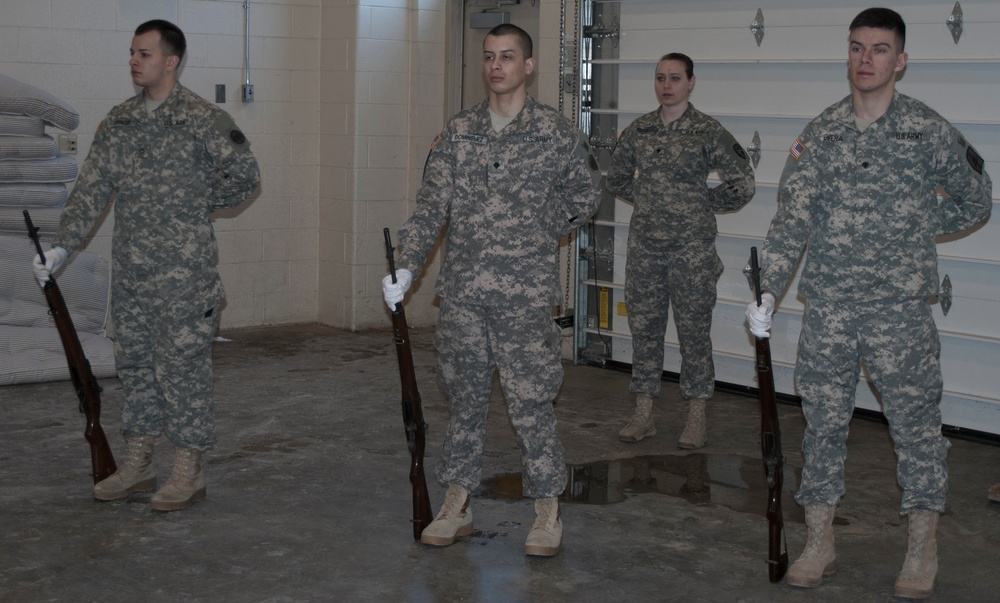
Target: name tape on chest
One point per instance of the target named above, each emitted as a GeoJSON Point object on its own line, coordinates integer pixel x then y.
{"type": "Point", "coordinates": [483, 139]}
{"type": "Point", "coordinates": [473, 138]}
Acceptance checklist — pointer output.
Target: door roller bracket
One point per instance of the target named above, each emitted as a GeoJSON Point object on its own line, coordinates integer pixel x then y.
{"type": "Point", "coordinates": [599, 31]}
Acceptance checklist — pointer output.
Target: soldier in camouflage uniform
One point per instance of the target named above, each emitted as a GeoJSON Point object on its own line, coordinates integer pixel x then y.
{"type": "Point", "coordinates": [171, 158]}
{"type": "Point", "coordinates": [660, 165]}
{"type": "Point", "coordinates": [510, 177]}
{"type": "Point", "coordinates": [860, 188]}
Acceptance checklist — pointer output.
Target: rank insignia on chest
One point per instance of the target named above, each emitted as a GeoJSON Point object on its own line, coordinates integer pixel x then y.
{"type": "Point", "coordinates": [797, 149]}
{"type": "Point", "coordinates": [496, 164]}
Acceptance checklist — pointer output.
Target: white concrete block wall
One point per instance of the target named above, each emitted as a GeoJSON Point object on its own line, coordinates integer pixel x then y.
{"type": "Point", "coordinates": [382, 88]}
{"type": "Point", "coordinates": [78, 50]}
{"type": "Point", "coordinates": [349, 95]}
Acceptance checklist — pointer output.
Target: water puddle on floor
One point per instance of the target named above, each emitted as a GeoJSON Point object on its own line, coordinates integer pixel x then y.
{"type": "Point", "coordinates": [732, 481]}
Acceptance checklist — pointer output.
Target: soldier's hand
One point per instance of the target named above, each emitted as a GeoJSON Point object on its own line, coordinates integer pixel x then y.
{"type": "Point", "coordinates": [394, 292]}
{"type": "Point", "coordinates": [54, 258]}
{"type": "Point", "coordinates": [759, 317]}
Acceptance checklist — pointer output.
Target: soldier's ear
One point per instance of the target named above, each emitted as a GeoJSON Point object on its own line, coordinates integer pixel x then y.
{"type": "Point", "coordinates": [901, 61]}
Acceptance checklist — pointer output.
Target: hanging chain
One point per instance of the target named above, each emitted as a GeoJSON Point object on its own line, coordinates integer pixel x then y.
{"type": "Point", "coordinates": [562, 93]}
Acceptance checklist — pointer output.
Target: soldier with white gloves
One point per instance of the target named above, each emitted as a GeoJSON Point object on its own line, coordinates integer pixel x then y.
{"type": "Point", "coordinates": [860, 189]}
{"type": "Point", "coordinates": [168, 158]}
{"type": "Point", "coordinates": [509, 177]}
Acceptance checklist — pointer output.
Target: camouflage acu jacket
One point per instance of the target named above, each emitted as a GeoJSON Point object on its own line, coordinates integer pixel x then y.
{"type": "Point", "coordinates": [169, 171]}
{"type": "Point", "coordinates": [866, 203]}
{"type": "Point", "coordinates": [507, 198]}
{"type": "Point", "coordinates": [663, 170]}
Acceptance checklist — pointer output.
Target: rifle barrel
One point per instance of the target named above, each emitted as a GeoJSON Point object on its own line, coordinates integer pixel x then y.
{"type": "Point", "coordinates": [84, 382]}
{"type": "Point", "coordinates": [413, 415]}
{"type": "Point", "coordinates": [770, 442]}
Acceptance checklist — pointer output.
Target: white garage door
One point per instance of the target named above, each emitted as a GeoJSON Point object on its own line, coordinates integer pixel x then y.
{"type": "Point", "coordinates": [770, 90]}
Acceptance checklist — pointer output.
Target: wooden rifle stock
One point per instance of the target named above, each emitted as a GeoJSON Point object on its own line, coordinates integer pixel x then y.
{"type": "Point", "coordinates": [770, 443]}
{"type": "Point", "coordinates": [84, 382]}
{"type": "Point", "coordinates": [413, 414]}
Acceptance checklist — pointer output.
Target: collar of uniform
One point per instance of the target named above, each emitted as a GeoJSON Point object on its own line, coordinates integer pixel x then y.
{"type": "Point", "coordinates": [521, 120]}
{"type": "Point", "coordinates": [653, 119]}
{"type": "Point", "coordinates": [844, 111]}
{"type": "Point", "coordinates": [172, 110]}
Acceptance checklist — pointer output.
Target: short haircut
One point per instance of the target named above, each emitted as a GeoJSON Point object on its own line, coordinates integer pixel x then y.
{"type": "Point", "coordinates": [882, 18]}
{"type": "Point", "coordinates": [171, 37]}
{"type": "Point", "coordinates": [683, 58]}
{"type": "Point", "coordinates": [509, 29]}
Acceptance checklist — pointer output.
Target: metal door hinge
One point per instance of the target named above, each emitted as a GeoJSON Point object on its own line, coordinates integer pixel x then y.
{"type": "Point", "coordinates": [753, 149]}
{"type": "Point", "coordinates": [945, 296]}
{"type": "Point", "coordinates": [757, 26]}
{"type": "Point", "coordinates": [954, 22]}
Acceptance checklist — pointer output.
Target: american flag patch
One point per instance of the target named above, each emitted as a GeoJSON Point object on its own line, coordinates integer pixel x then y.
{"type": "Point", "coordinates": [797, 149]}
{"type": "Point", "coordinates": [437, 139]}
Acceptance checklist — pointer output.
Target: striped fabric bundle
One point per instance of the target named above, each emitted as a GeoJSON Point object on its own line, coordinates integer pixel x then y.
{"type": "Point", "coordinates": [35, 176]}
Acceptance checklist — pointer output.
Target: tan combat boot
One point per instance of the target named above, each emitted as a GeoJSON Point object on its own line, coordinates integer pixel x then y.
{"type": "Point", "coordinates": [186, 484]}
{"type": "Point", "coordinates": [818, 559]}
{"type": "Point", "coordinates": [916, 581]}
{"type": "Point", "coordinates": [135, 475]}
{"type": "Point", "coordinates": [546, 534]}
{"type": "Point", "coordinates": [693, 435]}
{"type": "Point", "coordinates": [641, 424]}
{"type": "Point", "coordinates": [454, 519]}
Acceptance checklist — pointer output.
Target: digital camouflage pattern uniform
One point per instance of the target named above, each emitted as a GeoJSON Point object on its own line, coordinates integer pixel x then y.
{"type": "Point", "coordinates": [866, 205]}
{"type": "Point", "coordinates": [662, 169]}
{"type": "Point", "coordinates": [507, 199]}
{"type": "Point", "coordinates": [169, 171]}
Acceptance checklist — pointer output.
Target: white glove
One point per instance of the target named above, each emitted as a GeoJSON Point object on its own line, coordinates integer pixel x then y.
{"type": "Point", "coordinates": [394, 292]}
{"type": "Point", "coordinates": [54, 258]}
{"type": "Point", "coordinates": [759, 317]}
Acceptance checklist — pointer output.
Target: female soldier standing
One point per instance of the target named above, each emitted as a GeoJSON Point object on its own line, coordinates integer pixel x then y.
{"type": "Point", "coordinates": [660, 165]}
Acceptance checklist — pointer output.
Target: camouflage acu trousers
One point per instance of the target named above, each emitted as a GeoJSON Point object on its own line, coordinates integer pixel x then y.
{"type": "Point", "coordinates": [900, 347]}
{"type": "Point", "coordinates": [523, 345]}
{"type": "Point", "coordinates": [163, 355]}
{"type": "Point", "coordinates": [685, 274]}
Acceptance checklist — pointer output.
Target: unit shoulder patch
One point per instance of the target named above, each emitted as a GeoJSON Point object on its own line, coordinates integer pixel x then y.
{"type": "Point", "coordinates": [975, 159]}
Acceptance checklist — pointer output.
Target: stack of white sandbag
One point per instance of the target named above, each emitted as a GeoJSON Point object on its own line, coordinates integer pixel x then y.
{"type": "Point", "coordinates": [33, 173]}
{"type": "Point", "coordinates": [34, 176]}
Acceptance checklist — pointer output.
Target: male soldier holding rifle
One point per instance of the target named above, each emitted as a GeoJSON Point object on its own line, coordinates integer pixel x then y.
{"type": "Point", "coordinates": [860, 188]}
{"type": "Point", "coordinates": [171, 158]}
{"type": "Point", "coordinates": [509, 176]}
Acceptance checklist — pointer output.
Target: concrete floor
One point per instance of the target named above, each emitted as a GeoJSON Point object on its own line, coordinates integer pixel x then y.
{"type": "Point", "coordinates": [308, 497]}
